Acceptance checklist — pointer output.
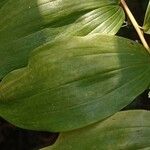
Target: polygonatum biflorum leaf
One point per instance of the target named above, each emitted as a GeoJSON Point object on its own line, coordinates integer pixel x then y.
{"type": "Point", "coordinates": [30, 23]}
{"type": "Point", "coordinates": [129, 130]}
{"type": "Point", "coordinates": [104, 20]}
{"type": "Point", "coordinates": [147, 20]}
{"type": "Point", "coordinates": [73, 82]}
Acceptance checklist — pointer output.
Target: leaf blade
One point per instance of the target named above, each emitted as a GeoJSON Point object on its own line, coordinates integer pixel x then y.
{"type": "Point", "coordinates": [74, 82]}
{"type": "Point", "coordinates": [125, 130]}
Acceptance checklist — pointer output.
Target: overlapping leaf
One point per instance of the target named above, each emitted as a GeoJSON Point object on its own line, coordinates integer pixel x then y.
{"type": "Point", "coordinates": [74, 82]}
{"type": "Point", "coordinates": [30, 23]}
{"type": "Point", "coordinates": [104, 20]}
{"type": "Point", "coordinates": [128, 130]}
{"type": "Point", "coordinates": [147, 20]}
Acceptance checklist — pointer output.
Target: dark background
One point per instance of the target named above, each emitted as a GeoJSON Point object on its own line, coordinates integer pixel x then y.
{"type": "Point", "coordinates": [13, 138]}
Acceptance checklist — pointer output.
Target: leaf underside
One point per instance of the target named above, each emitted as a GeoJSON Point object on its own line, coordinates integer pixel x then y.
{"type": "Point", "coordinates": [73, 82]}
{"type": "Point", "coordinates": [30, 23]}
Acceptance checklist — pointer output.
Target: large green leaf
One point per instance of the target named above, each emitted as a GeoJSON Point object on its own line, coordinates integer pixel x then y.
{"type": "Point", "coordinates": [73, 82]}
{"type": "Point", "coordinates": [30, 23]}
{"type": "Point", "coordinates": [128, 130]}
{"type": "Point", "coordinates": [147, 20]}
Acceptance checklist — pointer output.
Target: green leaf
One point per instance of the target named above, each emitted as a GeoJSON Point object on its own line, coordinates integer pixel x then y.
{"type": "Point", "coordinates": [105, 20]}
{"type": "Point", "coordinates": [146, 25]}
{"type": "Point", "coordinates": [129, 130]}
{"type": "Point", "coordinates": [30, 23]}
{"type": "Point", "coordinates": [73, 82]}
{"type": "Point", "coordinates": [2, 2]}
{"type": "Point", "coordinates": [14, 54]}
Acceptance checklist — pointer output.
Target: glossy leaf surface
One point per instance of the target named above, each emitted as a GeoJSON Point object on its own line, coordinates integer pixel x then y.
{"type": "Point", "coordinates": [30, 23]}
{"type": "Point", "coordinates": [74, 82]}
{"type": "Point", "coordinates": [147, 20]}
{"type": "Point", "coordinates": [128, 130]}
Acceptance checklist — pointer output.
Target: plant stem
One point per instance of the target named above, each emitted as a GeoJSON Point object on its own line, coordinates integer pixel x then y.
{"type": "Point", "coordinates": [135, 24]}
